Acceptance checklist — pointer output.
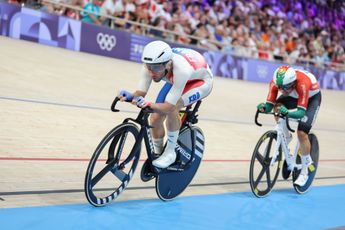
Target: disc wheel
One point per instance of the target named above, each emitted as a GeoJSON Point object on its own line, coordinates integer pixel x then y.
{"type": "Point", "coordinates": [172, 181]}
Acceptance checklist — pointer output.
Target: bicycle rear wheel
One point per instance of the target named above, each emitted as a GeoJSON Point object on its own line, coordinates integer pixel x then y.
{"type": "Point", "coordinates": [314, 153]}
{"type": "Point", "coordinates": [112, 165]}
{"type": "Point", "coordinates": [172, 181]}
{"type": "Point", "coordinates": [260, 168]}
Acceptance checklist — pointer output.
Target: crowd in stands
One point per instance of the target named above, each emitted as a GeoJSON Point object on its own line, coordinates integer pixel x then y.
{"type": "Point", "coordinates": [293, 31]}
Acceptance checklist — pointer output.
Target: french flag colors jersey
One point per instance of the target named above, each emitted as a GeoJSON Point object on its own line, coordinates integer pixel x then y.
{"type": "Point", "coordinates": [195, 59]}
{"type": "Point", "coordinates": [306, 87]}
{"type": "Point", "coordinates": [188, 65]}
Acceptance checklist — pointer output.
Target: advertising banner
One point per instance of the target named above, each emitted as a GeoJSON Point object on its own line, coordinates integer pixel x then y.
{"type": "Point", "coordinates": [39, 27]}
{"type": "Point", "coordinates": [260, 71]}
{"type": "Point", "coordinates": [105, 41]}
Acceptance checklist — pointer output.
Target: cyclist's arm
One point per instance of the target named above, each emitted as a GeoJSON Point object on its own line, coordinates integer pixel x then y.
{"type": "Point", "coordinates": [271, 97]}
{"type": "Point", "coordinates": [139, 93]}
{"type": "Point", "coordinates": [170, 101]}
{"type": "Point", "coordinates": [268, 106]}
{"type": "Point", "coordinates": [302, 103]}
{"type": "Point", "coordinates": [174, 93]}
{"type": "Point", "coordinates": [145, 81]}
{"type": "Point", "coordinates": [298, 114]}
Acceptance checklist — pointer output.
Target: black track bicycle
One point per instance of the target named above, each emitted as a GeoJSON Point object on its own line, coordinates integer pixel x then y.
{"type": "Point", "coordinates": [115, 159]}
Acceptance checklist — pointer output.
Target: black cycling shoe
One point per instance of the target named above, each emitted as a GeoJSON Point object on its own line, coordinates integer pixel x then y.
{"type": "Point", "coordinates": [285, 171]}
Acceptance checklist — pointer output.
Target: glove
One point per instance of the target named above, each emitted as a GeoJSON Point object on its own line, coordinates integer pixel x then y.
{"type": "Point", "coordinates": [265, 107]}
{"type": "Point", "coordinates": [140, 101]}
{"type": "Point", "coordinates": [283, 110]}
{"type": "Point", "coordinates": [126, 95]}
{"type": "Point", "coordinates": [261, 106]}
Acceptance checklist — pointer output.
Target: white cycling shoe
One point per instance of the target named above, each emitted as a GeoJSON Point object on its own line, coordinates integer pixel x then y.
{"type": "Point", "coordinates": [165, 160]}
{"type": "Point", "coordinates": [301, 180]}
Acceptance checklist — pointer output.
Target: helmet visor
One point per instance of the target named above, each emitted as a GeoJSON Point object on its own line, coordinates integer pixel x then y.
{"type": "Point", "coordinates": [157, 68]}
{"type": "Point", "coordinates": [287, 86]}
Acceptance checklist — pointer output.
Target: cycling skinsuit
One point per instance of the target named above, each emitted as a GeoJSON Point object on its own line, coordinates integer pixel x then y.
{"type": "Point", "coordinates": [306, 95]}
{"type": "Point", "coordinates": [191, 78]}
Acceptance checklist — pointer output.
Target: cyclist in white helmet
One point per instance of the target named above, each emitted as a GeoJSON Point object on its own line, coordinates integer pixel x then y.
{"type": "Point", "coordinates": [299, 90]}
{"type": "Point", "coordinates": [188, 79]}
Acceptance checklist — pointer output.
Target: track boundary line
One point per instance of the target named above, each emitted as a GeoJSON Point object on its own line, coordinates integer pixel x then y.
{"type": "Point", "coordinates": [40, 192]}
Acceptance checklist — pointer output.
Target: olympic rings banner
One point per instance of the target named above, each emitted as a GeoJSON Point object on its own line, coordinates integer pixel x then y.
{"type": "Point", "coordinates": [105, 41]}
{"type": "Point", "coordinates": [58, 31]}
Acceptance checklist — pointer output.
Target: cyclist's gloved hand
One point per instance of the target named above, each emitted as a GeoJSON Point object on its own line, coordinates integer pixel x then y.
{"type": "Point", "coordinates": [125, 95]}
{"type": "Point", "coordinates": [261, 107]}
{"type": "Point", "coordinates": [140, 102]}
{"type": "Point", "coordinates": [265, 107]}
{"type": "Point", "coordinates": [283, 110]}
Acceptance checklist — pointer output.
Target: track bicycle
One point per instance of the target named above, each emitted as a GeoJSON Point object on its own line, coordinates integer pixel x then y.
{"type": "Point", "coordinates": [114, 161]}
{"type": "Point", "coordinates": [267, 158]}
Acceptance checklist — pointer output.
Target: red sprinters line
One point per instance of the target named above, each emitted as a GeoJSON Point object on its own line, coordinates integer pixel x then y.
{"type": "Point", "coordinates": [87, 159]}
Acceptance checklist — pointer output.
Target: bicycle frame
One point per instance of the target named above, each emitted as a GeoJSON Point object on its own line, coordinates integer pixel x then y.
{"type": "Point", "coordinates": [188, 118]}
{"type": "Point", "coordinates": [282, 125]}
{"type": "Point", "coordinates": [281, 142]}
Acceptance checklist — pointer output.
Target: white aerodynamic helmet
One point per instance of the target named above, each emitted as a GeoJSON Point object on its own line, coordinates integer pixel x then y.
{"type": "Point", "coordinates": [156, 52]}
{"type": "Point", "coordinates": [284, 77]}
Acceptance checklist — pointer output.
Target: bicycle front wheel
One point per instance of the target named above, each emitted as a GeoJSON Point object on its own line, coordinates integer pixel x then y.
{"type": "Point", "coordinates": [263, 176]}
{"type": "Point", "coordinates": [112, 165]}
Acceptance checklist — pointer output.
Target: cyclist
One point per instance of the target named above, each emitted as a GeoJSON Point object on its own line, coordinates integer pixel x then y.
{"type": "Point", "coordinates": [188, 79]}
{"type": "Point", "coordinates": [299, 89]}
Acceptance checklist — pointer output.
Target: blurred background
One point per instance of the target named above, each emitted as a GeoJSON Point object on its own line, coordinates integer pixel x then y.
{"type": "Point", "coordinates": [296, 32]}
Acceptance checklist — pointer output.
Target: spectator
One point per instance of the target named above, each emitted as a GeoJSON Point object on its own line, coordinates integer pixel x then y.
{"type": "Point", "coordinates": [292, 30]}
{"type": "Point", "coordinates": [91, 13]}
{"type": "Point", "coordinates": [160, 24]}
{"type": "Point", "coordinates": [72, 13]}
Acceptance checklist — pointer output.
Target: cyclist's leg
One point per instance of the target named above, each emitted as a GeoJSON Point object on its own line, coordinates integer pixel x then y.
{"type": "Point", "coordinates": [158, 132]}
{"type": "Point", "coordinates": [157, 120]}
{"type": "Point", "coordinates": [289, 103]}
{"type": "Point", "coordinates": [196, 90]}
{"type": "Point", "coordinates": [304, 128]}
{"type": "Point", "coordinates": [308, 120]}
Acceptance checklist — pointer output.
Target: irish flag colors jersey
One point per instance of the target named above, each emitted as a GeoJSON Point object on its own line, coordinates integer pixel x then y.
{"type": "Point", "coordinates": [306, 87]}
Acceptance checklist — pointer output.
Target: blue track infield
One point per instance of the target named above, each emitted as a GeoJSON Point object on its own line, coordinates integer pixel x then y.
{"type": "Point", "coordinates": [323, 207]}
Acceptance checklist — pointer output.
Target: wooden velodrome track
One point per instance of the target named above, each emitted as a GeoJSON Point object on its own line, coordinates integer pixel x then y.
{"type": "Point", "coordinates": [55, 110]}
